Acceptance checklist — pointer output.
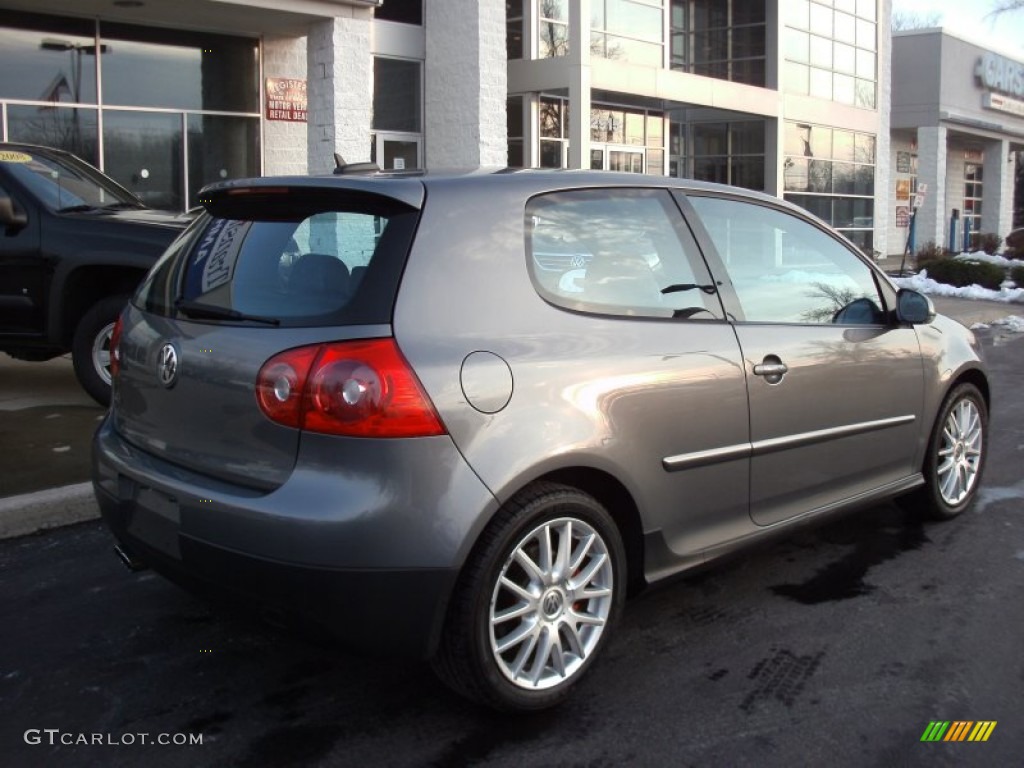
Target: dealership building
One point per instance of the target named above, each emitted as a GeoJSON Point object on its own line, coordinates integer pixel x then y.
{"type": "Point", "coordinates": [957, 123]}
{"type": "Point", "coordinates": [786, 96]}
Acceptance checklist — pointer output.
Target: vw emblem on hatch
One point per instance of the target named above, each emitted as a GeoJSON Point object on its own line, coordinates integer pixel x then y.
{"type": "Point", "coordinates": [577, 261]}
{"type": "Point", "coordinates": [167, 365]}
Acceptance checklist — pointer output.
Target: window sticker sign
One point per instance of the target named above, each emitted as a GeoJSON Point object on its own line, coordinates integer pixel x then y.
{"type": "Point", "coordinates": [286, 99]}
{"type": "Point", "coordinates": [215, 258]}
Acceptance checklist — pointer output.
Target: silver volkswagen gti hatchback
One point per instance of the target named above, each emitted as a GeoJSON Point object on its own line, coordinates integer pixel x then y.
{"type": "Point", "coordinates": [460, 416]}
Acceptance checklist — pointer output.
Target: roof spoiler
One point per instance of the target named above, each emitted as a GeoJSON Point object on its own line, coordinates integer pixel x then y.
{"type": "Point", "coordinates": [343, 168]}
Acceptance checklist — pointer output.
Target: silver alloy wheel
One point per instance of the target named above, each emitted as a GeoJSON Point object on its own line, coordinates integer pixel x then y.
{"type": "Point", "coordinates": [959, 457]}
{"type": "Point", "coordinates": [551, 603]}
{"type": "Point", "coordinates": [101, 352]}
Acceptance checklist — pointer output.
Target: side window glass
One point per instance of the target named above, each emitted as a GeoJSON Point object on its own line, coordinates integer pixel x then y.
{"type": "Point", "coordinates": [618, 252]}
{"type": "Point", "coordinates": [786, 270]}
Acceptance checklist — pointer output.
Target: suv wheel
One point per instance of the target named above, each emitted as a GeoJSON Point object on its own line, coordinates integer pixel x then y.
{"type": "Point", "coordinates": [90, 347]}
{"type": "Point", "coordinates": [956, 453]}
{"type": "Point", "coordinates": [536, 602]}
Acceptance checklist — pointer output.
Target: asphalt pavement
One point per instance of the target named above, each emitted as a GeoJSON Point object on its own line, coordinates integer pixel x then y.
{"type": "Point", "coordinates": [47, 422]}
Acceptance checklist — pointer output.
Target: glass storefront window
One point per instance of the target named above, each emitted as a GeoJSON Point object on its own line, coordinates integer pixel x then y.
{"type": "Point", "coordinates": [831, 173]}
{"type": "Point", "coordinates": [634, 128]}
{"type": "Point", "coordinates": [164, 155]}
{"type": "Point", "coordinates": [607, 125]}
{"type": "Point", "coordinates": [397, 95]}
{"type": "Point", "coordinates": [143, 153]}
{"type": "Point", "coordinates": [551, 153]}
{"type": "Point", "coordinates": [194, 70]}
{"type": "Point", "coordinates": [730, 152]}
{"type": "Point", "coordinates": [49, 59]}
{"type": "Point", "coordinates": [68, 128]}
{"type": "Point", "coordinates": [220, 147]}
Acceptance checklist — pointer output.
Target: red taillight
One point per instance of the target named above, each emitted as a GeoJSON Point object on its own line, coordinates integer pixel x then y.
{"type": "Point", "coordinates": [357, 388]}
{"type": "Point", "coordinates": [115, 349]}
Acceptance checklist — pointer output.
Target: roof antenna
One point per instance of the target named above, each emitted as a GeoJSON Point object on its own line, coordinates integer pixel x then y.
{"type": "Point", "coordinates": [341, 167]}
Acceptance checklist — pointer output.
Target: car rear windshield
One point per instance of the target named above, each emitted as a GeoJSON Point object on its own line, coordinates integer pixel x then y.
{"type": "Point", "coordinates": [307, 258]}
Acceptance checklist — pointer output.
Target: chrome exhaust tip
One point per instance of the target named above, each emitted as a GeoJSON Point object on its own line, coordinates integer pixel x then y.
{"type": "Point", "coordinates": [132, 564]}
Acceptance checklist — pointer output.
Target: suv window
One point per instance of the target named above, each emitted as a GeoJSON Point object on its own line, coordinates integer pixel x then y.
{"type": "Point", "coordinates": [67, 183]}
{"type": "Point", "coordinates": [298, 266]}
{"type": "Point", "coordinates": [618, 252]}
{"type": "Point", "coordinates": [786, 270]}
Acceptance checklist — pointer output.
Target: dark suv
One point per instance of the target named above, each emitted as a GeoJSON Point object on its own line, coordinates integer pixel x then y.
{"type": "Point", "coordinates": [74, 244]}
{"type": "Point", "coordinates": [461, 416]}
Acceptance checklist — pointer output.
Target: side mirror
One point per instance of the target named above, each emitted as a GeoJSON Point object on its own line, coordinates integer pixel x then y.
{"type": "Point", "coordinates": [913, 307]}
{"type": "Point", "coordinates": [10, 218]}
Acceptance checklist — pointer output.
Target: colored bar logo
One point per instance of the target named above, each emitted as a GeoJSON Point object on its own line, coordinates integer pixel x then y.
{"type": "Point", "coordinates": [958, 730]}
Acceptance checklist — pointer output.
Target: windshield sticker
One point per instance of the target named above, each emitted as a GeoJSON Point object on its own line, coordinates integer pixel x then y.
{"type": "Point", "coordinates": [9, 156]}
{"type": "Point", "coordinates": [216, 255]}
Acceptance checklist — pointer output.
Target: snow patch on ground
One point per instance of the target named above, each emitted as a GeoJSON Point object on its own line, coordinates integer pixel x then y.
{"type": "Point", "coordinates": [924, 284]}
{"type": "Point", "coordinates": [1011, 323]}
{"type": "Point", "coordinates": [999, 261]}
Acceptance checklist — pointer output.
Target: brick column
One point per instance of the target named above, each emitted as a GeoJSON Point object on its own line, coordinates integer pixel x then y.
{"type": "Point", "coordinates": [465, 83]}
{"type": "Point", "coordinates": [340, 90]}
{"type": "Point", "coordinates": [931, 170]}
{"type": "Point", "coordinates": [997, 188]}
{"type": "Point", "coordinates": [284, 143]}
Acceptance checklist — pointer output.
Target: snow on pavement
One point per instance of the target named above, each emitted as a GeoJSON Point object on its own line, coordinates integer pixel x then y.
{"type": "Point", "coordinates": [924, 284]}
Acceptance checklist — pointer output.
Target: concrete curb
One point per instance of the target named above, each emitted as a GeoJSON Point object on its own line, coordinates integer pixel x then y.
{"type": "Point", "coordinates": [52, 508]}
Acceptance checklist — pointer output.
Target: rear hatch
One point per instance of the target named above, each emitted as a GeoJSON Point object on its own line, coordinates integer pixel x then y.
{"type": "Point", "coordinates": [272, 265]}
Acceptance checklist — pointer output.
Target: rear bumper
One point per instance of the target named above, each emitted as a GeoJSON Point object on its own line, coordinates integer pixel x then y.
{"type": "Point", "coordinates": [377, 569]}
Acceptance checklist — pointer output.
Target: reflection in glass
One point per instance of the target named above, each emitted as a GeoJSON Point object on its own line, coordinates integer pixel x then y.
{"type": "Point", "coordinates": [56, 63]}
{"type": "Point", "coordinates": [656, 162]}
{"type": "Point", "coordinates": [784, 269]}
{"type": "Point", "coordinates": [821, 83]}
{"type": "Point", "coordinates": [553, 40]}
{"type": "Point", "coordinates": [628, 162]}
{"type": "Point", "coordinates": [219, 148]}
{"type": "Point", "coordinates": [143, 153]}
{"type": "Point", "coordinates": [195, 70]}
{"type": "Point", "coordinates": [67, 128]}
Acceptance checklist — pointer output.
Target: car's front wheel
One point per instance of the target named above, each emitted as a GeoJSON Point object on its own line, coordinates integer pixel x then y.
{"type": "Point", "coordinates": [956, 453]}
{"type": "Point", "coordinates": [537, 601]}
{"type": "Point", "coordinates": [90, 347]}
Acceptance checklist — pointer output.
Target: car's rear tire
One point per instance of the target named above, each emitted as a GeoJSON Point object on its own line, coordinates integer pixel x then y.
{"type": "Point", "coordinates": [956, 453]}
{"type": "Point", "coordinates": [536, 602]}
{"type": "Point", "coordinates": [90, 347]}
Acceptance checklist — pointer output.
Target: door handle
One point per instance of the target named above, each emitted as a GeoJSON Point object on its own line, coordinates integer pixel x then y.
{"type": "Point", "coordinates": [773, 369]}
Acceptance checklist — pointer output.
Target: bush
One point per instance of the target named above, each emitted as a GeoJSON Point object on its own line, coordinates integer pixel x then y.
{"type": "Point", "coordinates": [1017, 275]}
{"type": "Point", "coordinates": [928, 254]}
{"type": "Point", "coordinates": [989, 242]}
{"type": "Point", "coordinates": [962, 273]}
{"type": "Point", "coordinates": [1014, 253]}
